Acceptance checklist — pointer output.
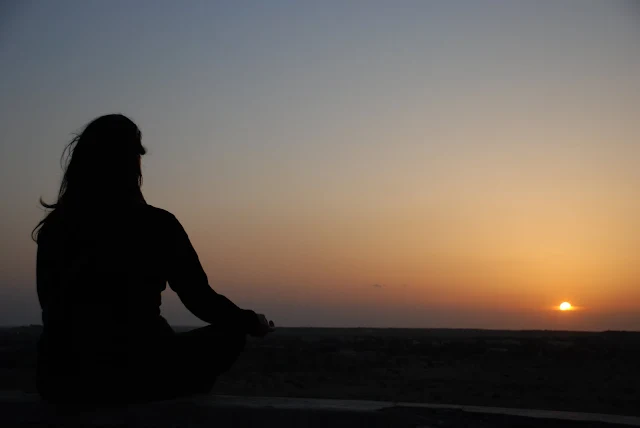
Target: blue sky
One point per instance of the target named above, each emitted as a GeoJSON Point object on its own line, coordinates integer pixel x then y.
{"type": "Point", "coordinates": [485, 149]}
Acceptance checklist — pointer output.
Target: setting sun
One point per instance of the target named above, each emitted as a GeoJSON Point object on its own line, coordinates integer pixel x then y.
{"type": "Point", "coordinates": [565, 306]}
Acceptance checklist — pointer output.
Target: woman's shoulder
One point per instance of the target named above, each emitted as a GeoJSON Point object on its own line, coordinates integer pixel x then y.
{"type": "Point", "coordinates": [159, 215]}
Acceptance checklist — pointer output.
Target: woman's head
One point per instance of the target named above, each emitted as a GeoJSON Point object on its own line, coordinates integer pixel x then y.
{"type": "Point", "coordinates": [102, 166]}
{"type": "Point", "coordinates": [103, 161]}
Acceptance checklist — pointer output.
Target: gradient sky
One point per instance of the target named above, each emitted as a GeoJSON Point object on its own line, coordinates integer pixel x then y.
{"type": "Point", "coordinates": [351, 163]}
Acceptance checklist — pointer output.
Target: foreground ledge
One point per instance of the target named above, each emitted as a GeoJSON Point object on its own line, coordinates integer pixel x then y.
{"type": "Point", "coordinates": [21, 409]}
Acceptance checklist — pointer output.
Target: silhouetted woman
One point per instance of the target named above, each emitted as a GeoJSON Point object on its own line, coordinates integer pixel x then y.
{"type": "Point", "coordinates": [104, 257]}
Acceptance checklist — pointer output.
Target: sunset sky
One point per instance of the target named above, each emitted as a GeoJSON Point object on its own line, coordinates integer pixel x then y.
{"type": "Point", "coordinates": [351, 163]}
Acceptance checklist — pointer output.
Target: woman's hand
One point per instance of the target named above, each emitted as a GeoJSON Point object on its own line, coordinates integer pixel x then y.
{"type": "Point", "coordinates": [264, 327]}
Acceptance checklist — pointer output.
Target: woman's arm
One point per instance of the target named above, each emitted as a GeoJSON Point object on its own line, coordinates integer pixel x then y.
{"type": "Point", "coordinates": [187, 278]}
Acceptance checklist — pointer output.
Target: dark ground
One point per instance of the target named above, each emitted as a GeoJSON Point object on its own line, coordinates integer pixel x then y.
{"type": "Point", "coordinates": [195, 414]}
{"type": "Point", "coordinates": [586, 372]}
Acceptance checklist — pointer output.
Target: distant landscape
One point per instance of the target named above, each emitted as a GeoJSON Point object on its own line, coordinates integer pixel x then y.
{"type": "Point", "coordinates": [580, 371]}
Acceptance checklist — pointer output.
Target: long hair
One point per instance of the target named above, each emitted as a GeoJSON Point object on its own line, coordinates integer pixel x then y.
{"type": "Point", "coordinates": [101, 169]}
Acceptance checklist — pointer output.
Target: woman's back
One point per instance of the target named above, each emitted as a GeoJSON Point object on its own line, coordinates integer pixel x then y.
{"type": "Point", "coordinates": [107, 269]}
{"type": "Point", "coordinates": [99, 281]}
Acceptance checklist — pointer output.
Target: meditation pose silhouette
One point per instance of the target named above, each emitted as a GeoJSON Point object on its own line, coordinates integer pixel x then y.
{"type": "Point", "coordinates": [104, 257]}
